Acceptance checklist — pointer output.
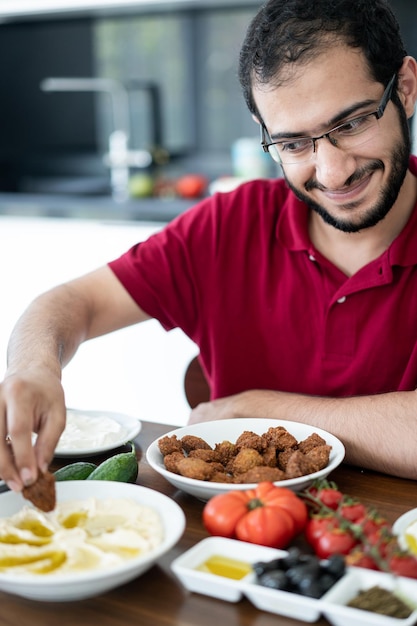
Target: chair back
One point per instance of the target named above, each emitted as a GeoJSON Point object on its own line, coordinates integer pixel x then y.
{"type": "Point", "coordinates": [196, 387]}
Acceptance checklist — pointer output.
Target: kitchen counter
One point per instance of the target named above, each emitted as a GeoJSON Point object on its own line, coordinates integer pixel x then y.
{"type": "Point", "coordinates": [91, 207]}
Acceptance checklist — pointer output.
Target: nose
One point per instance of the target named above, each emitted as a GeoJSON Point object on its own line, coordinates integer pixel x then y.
{"type": "Point", "coordinates": [333, 165]}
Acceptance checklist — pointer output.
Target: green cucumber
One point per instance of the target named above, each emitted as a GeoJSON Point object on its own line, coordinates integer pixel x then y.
{"type": "Point", "coordinates": [75, 471]}
{"type": "Point", "coordinates": [122, 468]}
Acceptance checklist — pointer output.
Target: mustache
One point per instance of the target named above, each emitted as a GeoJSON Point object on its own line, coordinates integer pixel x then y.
{"type": "Point", "coordinates": [358, 175]}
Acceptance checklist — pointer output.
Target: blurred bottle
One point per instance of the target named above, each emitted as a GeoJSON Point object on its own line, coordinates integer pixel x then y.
{"type": "Point", "coordinates": [250, 161]}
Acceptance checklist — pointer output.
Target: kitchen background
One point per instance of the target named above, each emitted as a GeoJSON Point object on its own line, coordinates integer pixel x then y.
{"type": "Point", "coordinates": [165, 78]}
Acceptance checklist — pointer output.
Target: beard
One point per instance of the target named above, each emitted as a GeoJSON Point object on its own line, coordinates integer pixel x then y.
{"type": "Point", "coordinates": [387, 196]}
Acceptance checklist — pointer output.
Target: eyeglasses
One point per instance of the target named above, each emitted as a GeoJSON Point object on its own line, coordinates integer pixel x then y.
{"type": "Point", "coordinates": [351, 133]}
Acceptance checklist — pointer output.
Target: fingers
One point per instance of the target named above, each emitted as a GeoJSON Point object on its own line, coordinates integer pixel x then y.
{"type": "Point", "coordinates": [25, 409]}
{"type": "Point", "coordinates": [48, 436]}
{"type": "Point", "coordinates": [11, 440]}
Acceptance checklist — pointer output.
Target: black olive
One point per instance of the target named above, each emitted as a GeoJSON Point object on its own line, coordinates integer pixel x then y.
{"type": "Point", "coordinates": [310, 587]}
{"type": "Point", "coordinates": [261, 566]}
{"type": "Point", "coordinates": [274, 580]}
{"type": "Point", "coordinates": [326, 581]}
{"type": "Point", "coordinates": [336, 565]}
{"type": "Point", "coordinates": [298, 572]}
{"type": "Point", "coordinates": [292, 558]}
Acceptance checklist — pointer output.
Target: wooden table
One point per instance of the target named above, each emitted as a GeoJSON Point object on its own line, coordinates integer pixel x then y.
{"type": "Point", "coordinates": [157, 598]}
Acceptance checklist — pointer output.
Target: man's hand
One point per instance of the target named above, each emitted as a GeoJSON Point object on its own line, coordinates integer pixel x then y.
{"type": "Point", "coordinates": [31, 401]}
{"type": "Point", "coordinates": [220, 409]}
{"type": "Point", "coordinates": [377, 431]}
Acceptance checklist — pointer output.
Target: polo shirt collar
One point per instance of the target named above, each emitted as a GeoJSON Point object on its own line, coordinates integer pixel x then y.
{"type": "Point", "coordinates": [292, 230]}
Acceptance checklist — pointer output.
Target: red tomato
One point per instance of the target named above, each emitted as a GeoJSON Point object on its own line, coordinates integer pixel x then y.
{"type": "Point", "coordinates": [383, 541]}
{"type": "Point", "coordinates": [374, 523]}
{"type": "Point", "coordinates": [403, 564]}
{"type": "Point", "coordinates": [334, 541]}
{"type": "Point", "coordinates": [330, 497]}
{"type": "Point", "coordinates": [360, 559]}
{"type": "Point", "coordinates": [191, 185]}
{"type": "Point", "coordinates": [221, 513]}
{"type": "Point", "coordinates": [298, 511]}
{"type": "Point", "coordinates": [268, 515]}
{"type": "Point", "coordinates": [317, 526]}
{"type": "Point", "coordinates": [266, 526]}
{"type": "Point", "coordinates": [353, 511]}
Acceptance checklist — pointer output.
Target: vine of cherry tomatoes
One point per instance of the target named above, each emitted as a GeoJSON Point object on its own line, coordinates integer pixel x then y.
{"type": "Point", "coordinates": [339, 524]}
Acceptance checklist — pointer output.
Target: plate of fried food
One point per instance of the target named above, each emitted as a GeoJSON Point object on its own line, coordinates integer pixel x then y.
{"type": "Point", "coordinates": [215, 457]}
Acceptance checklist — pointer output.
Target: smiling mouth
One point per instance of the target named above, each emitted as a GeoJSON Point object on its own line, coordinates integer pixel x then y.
{"type": "Point", "coordinates": [347, 193]}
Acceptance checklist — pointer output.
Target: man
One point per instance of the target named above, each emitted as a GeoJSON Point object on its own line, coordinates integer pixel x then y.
{"type": "Point", "coordinates": [301, 293]}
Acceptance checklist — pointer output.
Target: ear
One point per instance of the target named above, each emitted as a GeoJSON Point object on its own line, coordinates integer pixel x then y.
{"type": "Point", "coordinates": [407, 84]}
{"type": "Point", "coordinates": [255, 119]}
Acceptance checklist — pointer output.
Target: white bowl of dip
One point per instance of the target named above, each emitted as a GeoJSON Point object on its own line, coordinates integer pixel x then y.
{"type": "Point", "coordinates": [127, 529]}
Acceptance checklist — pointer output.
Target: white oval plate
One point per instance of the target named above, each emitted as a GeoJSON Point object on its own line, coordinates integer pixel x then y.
{"type": "Point", "coordinates": [401, 524]}
{"type": "Point", "coordinates": [131, 428]}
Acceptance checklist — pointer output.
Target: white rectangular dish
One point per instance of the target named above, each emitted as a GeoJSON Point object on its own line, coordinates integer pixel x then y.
{"type": "Point", "coordinates": [335, 608]}
{"type": "Point", "coordinates": [185, 566]}
{"type": "Point", "coordinates": [332, 605]}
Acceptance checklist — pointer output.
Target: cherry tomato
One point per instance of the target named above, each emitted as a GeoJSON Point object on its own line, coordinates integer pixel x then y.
{"type": "Point", "coordinates": [373, 523]}
{"type": "Point", "coordinates": [330, 497]}
{"type": "Point", "coordinates": [191, 185]}
{"type": "Point", "coordinates": [334, 541]}
{"type": "Point", "coordinates": [317, 526]}
{"type": "Point", "coordinates": [403, 564]}
{"type": "Point", "coordinates": [358, 558]}
{"type": "Point", "coordinates": [353, 511]}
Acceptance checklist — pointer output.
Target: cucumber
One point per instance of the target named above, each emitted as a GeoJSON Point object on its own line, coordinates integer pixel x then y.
{"type": "Point", "coordinates": [75, 471]}
{"type": "Point", "coordinates": [122, 468]}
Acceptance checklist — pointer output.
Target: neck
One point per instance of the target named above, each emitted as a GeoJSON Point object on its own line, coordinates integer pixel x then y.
{"type": "Point", "coordinates": [352, 251]}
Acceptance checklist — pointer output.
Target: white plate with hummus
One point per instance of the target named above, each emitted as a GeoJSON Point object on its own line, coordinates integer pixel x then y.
{"type": "Point", "coordinates": [88, 433]}
{"type": "Point", "coordinates": [101, 535]}
{"type": "Point", "coordinates": [406, 530]}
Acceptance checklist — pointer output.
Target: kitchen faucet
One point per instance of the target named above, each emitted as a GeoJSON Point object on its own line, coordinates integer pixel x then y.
{"type": "Point", "coordinates": [119, 157]}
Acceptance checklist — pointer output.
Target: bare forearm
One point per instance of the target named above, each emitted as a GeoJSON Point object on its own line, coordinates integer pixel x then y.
{"type": "Point", "coordinates": [57, 322]}
{"type": "Point", "coordinates": [379, 432]}
{"type": "Point", "coordinates": [43, 341]}
{"type": "Point", "coordinates": [45, 335]}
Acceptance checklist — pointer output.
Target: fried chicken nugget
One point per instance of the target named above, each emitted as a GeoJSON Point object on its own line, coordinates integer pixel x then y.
{"type": "Point", "coordinates": [270, 456]}
{"type": "Point", "coordinates": [318, 458]}
{"type": "Point", "coordinates": [42, 492]}
{"type": "Point", "coordinates": [210, 456]}
{"type": "Point", "coordinates": [225, 451]}
{"type": "Point", "coordinates": [169, 444]}
{"type": "Point", "coordinates": [245, 460]}
{"type": "Point", "coordinates": [196, 468]}
{"type": "Point", "coordinates": [312, 441]}
{"type": "Point", "coordinates": [297, 465]}
{"type": "Point", "coordinates": [279, 437]}
{"type": "Point", "coordinates": [171, 461]}
{"type": "Point", "coordinates": [248, 439]}
{"type": "Point", "coordinates": [221, 477]}
{"type": "Point", "coordinates": [282, 458]}
{"type": "Point", "coordinates": [191, 442]}
{"type": "Point", "coordinates": [260, 473]}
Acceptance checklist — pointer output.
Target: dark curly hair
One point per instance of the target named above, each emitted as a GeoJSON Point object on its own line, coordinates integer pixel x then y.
{"type": "Point", "coordinates": [294, 31]}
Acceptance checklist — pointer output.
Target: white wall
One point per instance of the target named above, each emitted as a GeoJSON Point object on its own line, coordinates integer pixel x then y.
{"type": "Point", "coordinates": [138, 370]}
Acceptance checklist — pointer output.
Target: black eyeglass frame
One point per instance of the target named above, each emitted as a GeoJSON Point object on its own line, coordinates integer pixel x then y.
{"type": "Point", "coordinates": [378, 113]}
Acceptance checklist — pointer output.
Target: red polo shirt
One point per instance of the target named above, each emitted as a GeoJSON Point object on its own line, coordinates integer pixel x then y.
{"type": "Point", "coordinates": [239, 275]}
